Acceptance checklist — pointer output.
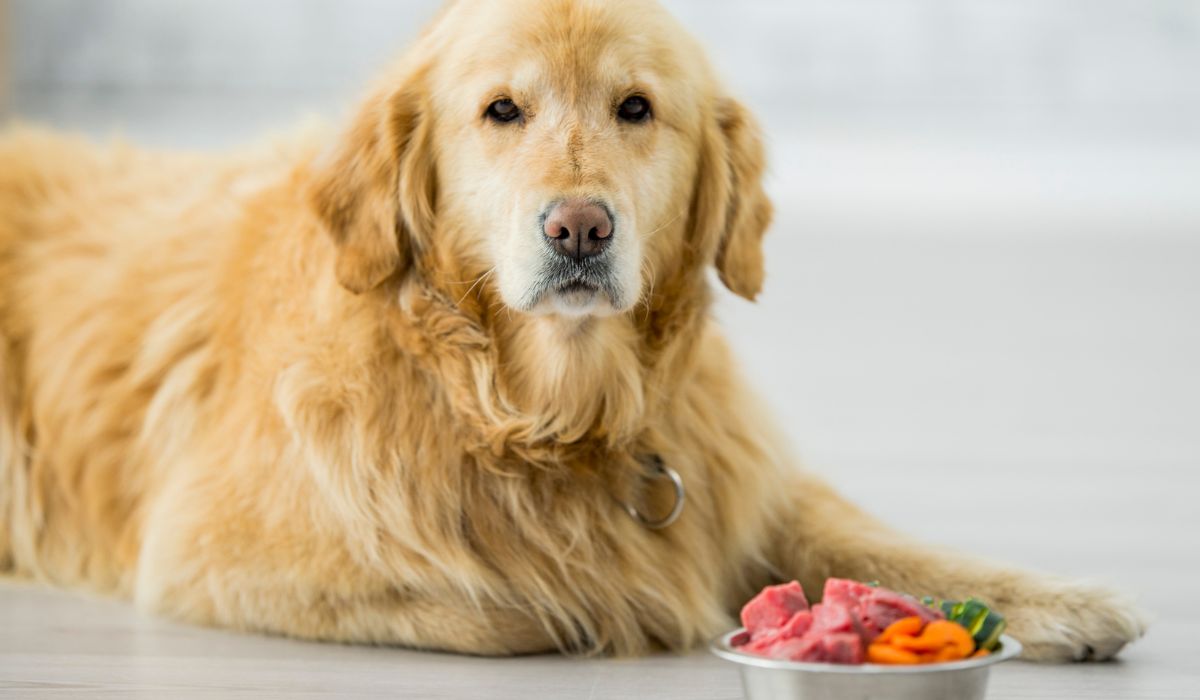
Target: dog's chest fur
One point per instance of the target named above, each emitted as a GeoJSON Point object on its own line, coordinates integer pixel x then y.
{"type": "Point", "coordinates": [532, 532]}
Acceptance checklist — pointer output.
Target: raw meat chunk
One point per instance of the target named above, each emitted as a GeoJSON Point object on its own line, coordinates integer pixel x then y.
{"type": "Point", "coordinates": [882, 607]}
{"type": "Point", "coordinates": [838, 648]}
{"type": "Point", "coordinates": [829, 618]}
{"type": "Point", "coordinates": [798, 625]}
{"type": "Point", "coordinates": [841, 591]}
{"type": "Point", "coordinates": [843, 648]}
{"type": "Point", "coordinates": [773, 607]}
{"type": "Point", "coordinates": [780, 624]}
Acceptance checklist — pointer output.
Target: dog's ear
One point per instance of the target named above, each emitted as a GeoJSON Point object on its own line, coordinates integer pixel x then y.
{"type": "Point", "coordinates": [376, 192]}
{"type": "Point", "coordinates": [731, 200]}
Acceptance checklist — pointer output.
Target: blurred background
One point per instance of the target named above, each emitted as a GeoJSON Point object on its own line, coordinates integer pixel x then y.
{"type": "Point", "coordinates": [985, 273]}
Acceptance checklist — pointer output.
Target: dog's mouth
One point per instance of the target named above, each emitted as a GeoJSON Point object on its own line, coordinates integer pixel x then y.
{"type": "Point", "coordinates": [577, 287]}
{"type": "Point", "coordinates": [577, 296]}
{"type": "Point", "coordinates": [574, 290]}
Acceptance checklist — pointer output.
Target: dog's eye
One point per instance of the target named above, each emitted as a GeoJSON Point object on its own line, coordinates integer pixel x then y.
{"type": "Point", "coordinates": [634, 109]}
{"type": "Point", "coordinates": [503, 111]}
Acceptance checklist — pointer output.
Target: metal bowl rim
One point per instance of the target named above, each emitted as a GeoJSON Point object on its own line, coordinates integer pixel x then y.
{"type": "Point", "coordinates": [1009, 649]}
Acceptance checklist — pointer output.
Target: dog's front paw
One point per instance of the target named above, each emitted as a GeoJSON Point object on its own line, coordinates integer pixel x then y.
{"type": "Point", "coordinates": [1074, 621]}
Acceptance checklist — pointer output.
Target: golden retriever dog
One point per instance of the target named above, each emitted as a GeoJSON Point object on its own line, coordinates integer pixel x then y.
{"type": "Point", "coordinates": [431, 382]}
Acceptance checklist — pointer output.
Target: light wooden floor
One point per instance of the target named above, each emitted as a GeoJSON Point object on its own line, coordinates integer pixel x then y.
{"type": "Point", "coordinates": [58, 645]}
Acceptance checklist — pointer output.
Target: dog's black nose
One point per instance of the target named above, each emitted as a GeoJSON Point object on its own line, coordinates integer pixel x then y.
{"type": "Point", "coordinates": [577, 228]}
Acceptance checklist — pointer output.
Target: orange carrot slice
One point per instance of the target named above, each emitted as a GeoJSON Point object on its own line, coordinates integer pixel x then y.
{"type": "Point", "coordinates": [949, 653]}
{"type": "Point", "coordinates": [911, 641]}
{"type": "Point", "coordinates": [887, 654]}
{"type": "Point", "coordinates": [925, 642]}
{"type": "Point", "coordinates": [936, 636]}
{"type": "Point", "coordinates": [910, 626]}
{"type": "Point", "coordinates": [957, 636]}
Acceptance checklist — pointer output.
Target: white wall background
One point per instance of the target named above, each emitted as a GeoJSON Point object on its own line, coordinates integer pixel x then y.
{"type": "Point", "coordinates": [828, 54]}
{"type": "Point", "coordinates": [1066, 105]}
{"type": "Point", "coordinates": [987, 253]}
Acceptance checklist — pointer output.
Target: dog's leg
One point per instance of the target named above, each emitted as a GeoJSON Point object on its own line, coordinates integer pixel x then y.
{"type": "Point", "coordinates": [211, 561]}
{"type": "Point", "coordinates": [823, 536]}
{"type": "Point", "coordinates": [351, 606]}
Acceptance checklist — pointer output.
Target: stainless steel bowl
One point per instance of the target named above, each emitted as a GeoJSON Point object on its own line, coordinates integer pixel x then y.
{"type": "Point", "coordinates": [771, 679]}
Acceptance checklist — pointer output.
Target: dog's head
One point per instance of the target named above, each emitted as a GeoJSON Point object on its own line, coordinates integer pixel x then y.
{"type": "Point", "coordinates": [577, 149]}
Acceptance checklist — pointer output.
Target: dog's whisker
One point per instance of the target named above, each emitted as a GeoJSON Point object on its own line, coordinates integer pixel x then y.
{"type": "Point", "coordinates": [478, 281]}
{"type": "Point", "coordinates": [666, 224]}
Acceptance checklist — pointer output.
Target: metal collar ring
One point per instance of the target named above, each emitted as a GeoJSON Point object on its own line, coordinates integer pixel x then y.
{"type": "Point", "coordinates": [657, 471]}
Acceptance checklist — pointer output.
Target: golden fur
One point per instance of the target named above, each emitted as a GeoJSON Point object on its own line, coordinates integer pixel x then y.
{"type": "Point", "coordinates": [273, 390]}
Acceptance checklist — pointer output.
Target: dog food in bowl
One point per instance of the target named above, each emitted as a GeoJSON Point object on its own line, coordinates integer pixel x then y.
{"type": "Point", "coordinates": [864, 641]}
{"type": "Point", "coordinates": [858, 622]}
